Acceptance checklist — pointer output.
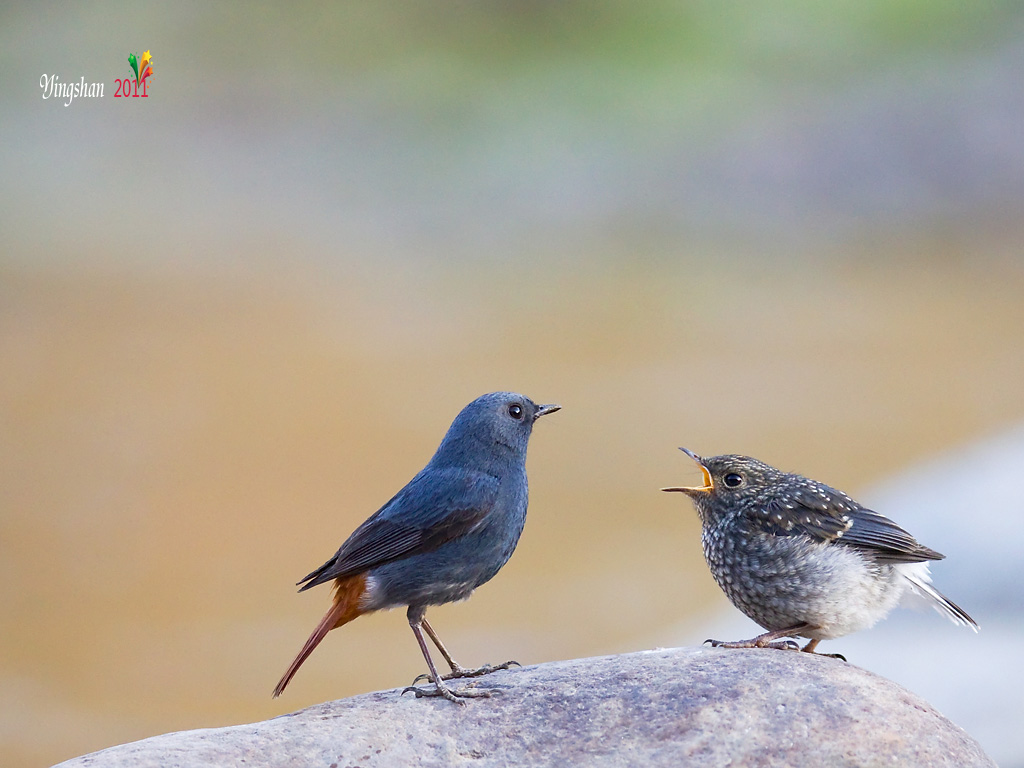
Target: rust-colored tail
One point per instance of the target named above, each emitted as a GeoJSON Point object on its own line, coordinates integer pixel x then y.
{"type": "Point", "coordinates": [347, 595]}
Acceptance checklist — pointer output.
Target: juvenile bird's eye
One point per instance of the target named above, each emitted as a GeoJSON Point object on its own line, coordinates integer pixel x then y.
{"type": "Point", "coordinates": [515, 411]}
{"type": "Point", "coordinates": [733, 480]}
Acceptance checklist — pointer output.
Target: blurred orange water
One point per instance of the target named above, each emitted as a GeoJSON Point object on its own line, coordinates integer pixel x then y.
{"type": "Point", "coordinates": [179, 447]}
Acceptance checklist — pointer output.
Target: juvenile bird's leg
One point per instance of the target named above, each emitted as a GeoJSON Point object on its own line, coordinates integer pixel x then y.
{"type": "Point", "coordinates": [457, 669]}
{"type": "Point", "coordinates": [415, 615]}
{"type": "Point", "coordinates": [767, 640]}
{"type": "Point", "coordinates": [809, 648]}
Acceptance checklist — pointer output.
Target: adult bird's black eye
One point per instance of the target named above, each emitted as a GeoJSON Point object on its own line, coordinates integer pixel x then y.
{"type": "Point", "coordinates": [515, 411]}
{"type": "Point", "coordinates": [733, 480]}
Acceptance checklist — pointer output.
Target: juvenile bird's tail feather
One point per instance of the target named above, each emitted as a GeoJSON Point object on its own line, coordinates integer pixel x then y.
{"type": "Point", "coordinates": [347, 596]}
{"type": "Point", "coordinates": [920, 585]}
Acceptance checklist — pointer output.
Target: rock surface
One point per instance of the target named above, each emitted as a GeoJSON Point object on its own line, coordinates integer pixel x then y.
{"type": "Point", "coordinates": [699, 706]}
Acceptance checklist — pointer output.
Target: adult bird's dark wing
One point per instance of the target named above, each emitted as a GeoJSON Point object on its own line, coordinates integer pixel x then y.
{"type": "Point", "coordinates": [437, 506]}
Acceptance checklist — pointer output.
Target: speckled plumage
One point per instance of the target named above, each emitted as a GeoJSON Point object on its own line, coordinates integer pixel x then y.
{"type": "Point", "coordinates": [803, 559]}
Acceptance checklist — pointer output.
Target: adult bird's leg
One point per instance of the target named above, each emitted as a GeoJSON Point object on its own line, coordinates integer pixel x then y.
{"type": "Point", "coordinates": [767, 640]}
{"type": "Point", "coordinates": [457, 669]}
{"type": "Point", "coordinates": [415, 615]}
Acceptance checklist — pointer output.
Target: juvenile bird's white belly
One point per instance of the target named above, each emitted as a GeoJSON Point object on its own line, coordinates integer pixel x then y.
{"type": "Point", "coordinates": [856, 596]}
{"type": "Point", "coordinates": [784, 581]}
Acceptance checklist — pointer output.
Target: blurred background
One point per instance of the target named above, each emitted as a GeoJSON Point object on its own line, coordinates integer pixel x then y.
{"type": "Point", "coordinates": [238, 314]}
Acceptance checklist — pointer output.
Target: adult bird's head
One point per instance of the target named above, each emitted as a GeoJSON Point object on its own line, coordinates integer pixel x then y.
{"type": "Point", "coordinates": [493, 428]}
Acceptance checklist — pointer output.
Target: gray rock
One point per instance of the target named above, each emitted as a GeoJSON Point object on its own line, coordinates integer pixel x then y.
{"type": "Point", "coordinates": [666, 707]}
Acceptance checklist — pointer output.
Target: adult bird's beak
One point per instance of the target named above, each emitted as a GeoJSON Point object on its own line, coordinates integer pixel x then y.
{"type": "Point", "coordinates": [708, 486]}
{"type": "Point", "coordinates": [543, 410]}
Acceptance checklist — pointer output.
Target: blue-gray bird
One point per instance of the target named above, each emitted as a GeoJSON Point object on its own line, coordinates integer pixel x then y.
{"type": "Point", "coordinates": [803, 559]}
{"type": "Point", "coordinates": [444, 534]}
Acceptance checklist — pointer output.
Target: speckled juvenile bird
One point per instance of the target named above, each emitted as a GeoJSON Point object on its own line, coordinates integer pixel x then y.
{"type": "Point", "coordinates": [803, 559]}
{"type": "Point", "coordinates": [449, 530]}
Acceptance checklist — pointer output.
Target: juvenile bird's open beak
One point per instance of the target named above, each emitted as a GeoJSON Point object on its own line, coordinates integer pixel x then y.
{"type": "Point", "coordinates": [708, 483]}
{"type": "Point", "coordinates": [544, 410]}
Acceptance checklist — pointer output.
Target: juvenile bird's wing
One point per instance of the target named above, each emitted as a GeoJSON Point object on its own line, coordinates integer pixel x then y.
{"type": "Point", "coordinates": [884, 540]}
{"type": "Point", "coordinates": [816, 510]}
{"type": "Point", "coordinates": [805, 508]}
{"type": "Point", "coordinates": [437, 506]}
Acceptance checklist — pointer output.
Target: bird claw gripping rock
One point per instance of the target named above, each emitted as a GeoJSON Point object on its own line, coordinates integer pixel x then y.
{"type": "Point", "coordinates": [782, 645]}
{"type": "Point", "coordinates": [460, 672]}
{"type": "Point", "coordinates": [456, 696]}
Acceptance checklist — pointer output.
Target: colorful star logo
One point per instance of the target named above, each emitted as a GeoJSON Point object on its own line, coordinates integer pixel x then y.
{"type": "Point", "coordinates": [142, 68]}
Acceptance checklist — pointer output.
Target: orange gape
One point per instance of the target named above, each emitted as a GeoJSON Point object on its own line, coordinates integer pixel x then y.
{"type": "Point", "coordinates": [348, 594]}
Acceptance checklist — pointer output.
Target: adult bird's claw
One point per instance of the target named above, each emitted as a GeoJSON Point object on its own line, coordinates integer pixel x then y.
{"type": "Point", "coordinates": [460, 672]}
{"type": "Point", "coordinates": [486, 669]}
{"type": "Point", "coordinates": [456, 696]}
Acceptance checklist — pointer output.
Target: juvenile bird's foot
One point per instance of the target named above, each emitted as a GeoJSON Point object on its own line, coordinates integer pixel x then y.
{"type": "Point", "coordinates": [782, 645]}
{"type": "Point", "coordinates": [809, 648]}
{"type": "Point", "coordinates": [772, 639]}
{"type": "Point", "coordinates": [460, 671]}
{"type": "Point", "coordinates": [456, 696]}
